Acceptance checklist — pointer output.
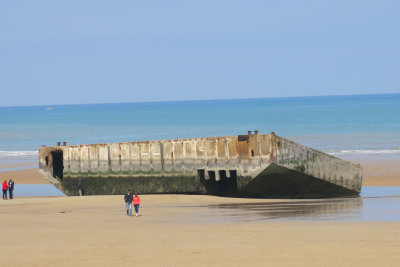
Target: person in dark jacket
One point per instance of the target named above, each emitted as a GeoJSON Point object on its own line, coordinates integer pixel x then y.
{"type": "Point", "coordinates": [11, 188]}
{"type": "Point", "coordinates": [80, 187]}
{"type": "Point", "coordinates": [128, 200]}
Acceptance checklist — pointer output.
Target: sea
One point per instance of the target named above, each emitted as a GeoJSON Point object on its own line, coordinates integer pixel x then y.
{"type": "Point", "coordinates": [338, 125]}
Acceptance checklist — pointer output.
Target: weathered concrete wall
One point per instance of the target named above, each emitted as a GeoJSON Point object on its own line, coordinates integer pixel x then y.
{"type": "Point", "coordinates": [317, 164]}
{"type": "Point", "coordinates": [191, 165]}
{"type": "Point", "coordinates": [169, 157]}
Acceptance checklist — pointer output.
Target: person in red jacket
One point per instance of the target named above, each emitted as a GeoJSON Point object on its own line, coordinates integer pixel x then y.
{"type": "Point", "coordinates": [136, 203]}
{"type": "Point", "coordinates": [5, 187]}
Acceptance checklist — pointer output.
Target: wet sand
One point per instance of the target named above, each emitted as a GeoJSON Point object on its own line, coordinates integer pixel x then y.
{"type": "Point", "coordinates": [95, 231]}
{"type": "Point", "coordinates": [28, 176]}
{"type": "Point", "coordinates": [16, 165]}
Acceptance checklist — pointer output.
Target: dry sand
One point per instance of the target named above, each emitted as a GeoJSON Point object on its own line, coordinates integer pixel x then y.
{"type": "Point", "coordinates": [381, 172]}
{"type": "Point", "coordinates": [95, 231]}
{"type": "Point", "coordinates": [175, 230]}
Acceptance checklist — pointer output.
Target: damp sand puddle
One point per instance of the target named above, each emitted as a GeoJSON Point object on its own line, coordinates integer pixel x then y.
{"type": "Point", "coordinates": [376, 203]}
{"type": "Point", "coordinates": [37, 190]}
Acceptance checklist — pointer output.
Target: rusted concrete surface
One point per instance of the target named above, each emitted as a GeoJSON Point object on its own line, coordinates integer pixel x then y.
{"type": "Point", "coordinates": [263, 165]}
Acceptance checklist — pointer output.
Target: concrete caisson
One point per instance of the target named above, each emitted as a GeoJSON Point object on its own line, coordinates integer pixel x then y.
{"type": "Point", "coordinates": [256, 165]}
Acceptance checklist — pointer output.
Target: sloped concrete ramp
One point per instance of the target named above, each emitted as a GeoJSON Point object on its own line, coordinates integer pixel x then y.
{"type": "Point", "coordinates": [280, 182]}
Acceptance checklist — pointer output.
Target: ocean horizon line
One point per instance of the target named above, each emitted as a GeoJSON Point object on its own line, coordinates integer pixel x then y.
{"type": "Point", "coordinates": [51, 106]}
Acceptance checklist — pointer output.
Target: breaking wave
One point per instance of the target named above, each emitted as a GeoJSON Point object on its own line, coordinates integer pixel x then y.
{"type": "Point", "coordinates": [18, 154]}
{"type": "Point", "coordinates": [364, 152]}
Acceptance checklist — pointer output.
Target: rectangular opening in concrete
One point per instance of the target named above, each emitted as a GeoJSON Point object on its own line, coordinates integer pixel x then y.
{"type": "Point", "coordinates": [58, 165]}
{"type": "Point", "coordinates": [233, 174]}
{"type": "Point", "coordinates": [228, 186]}
{"type": "Point", "coordinates": [211, 174]}
{"type": "Point", "coordinates": [210, 184]}
{"type": "Point", "coordinates": [223, 187]}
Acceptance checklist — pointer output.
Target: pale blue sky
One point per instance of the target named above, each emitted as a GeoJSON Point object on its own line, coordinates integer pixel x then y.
{"type": "Point", "coordinates": [68, 52]}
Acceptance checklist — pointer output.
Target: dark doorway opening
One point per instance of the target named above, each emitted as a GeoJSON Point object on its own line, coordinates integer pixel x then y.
{"type": "Point", "coordinates": [58, 165]}
{"type": "Point", "coordinates": [228, 186]}
{"type": "Point", "coordinates": [210, 184]}
{"type": "Point", "coordinates": [224, 187]}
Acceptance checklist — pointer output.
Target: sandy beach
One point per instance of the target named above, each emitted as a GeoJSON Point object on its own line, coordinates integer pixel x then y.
{"type": "Point", "coordinates": [380, 171]}
{"type": "Point", "coordinates": [181, 230]}
{"type": "Point", "coordinates": [95, 231]}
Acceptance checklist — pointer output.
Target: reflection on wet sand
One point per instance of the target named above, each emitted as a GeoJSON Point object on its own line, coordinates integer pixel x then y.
{"type": "Point", "coordinates": [377, 203]}
{"type": "Point", "coordinates": [321, 209]}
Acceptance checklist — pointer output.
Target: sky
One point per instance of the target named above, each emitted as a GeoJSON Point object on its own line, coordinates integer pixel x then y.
{"type": "Point", "coordinates": [77, 52]}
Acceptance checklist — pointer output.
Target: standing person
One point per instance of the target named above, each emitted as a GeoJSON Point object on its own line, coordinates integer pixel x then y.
{"type": "Point", "coordinates": [136, 203]}
{"type": "Point", "coordinates": [5, 187]}
{"type": "Point", "coordinates": [80, 187]}
{"type": "Point", "coordinates": [11, 188]}
{"type": "Point", "coordinates": [128, 200]}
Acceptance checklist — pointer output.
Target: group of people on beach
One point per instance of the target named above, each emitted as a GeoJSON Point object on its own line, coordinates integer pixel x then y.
{"type": "Point", "coordinates": [129, 199]}
{"type": "Point", "coordinates": [8, 187]}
